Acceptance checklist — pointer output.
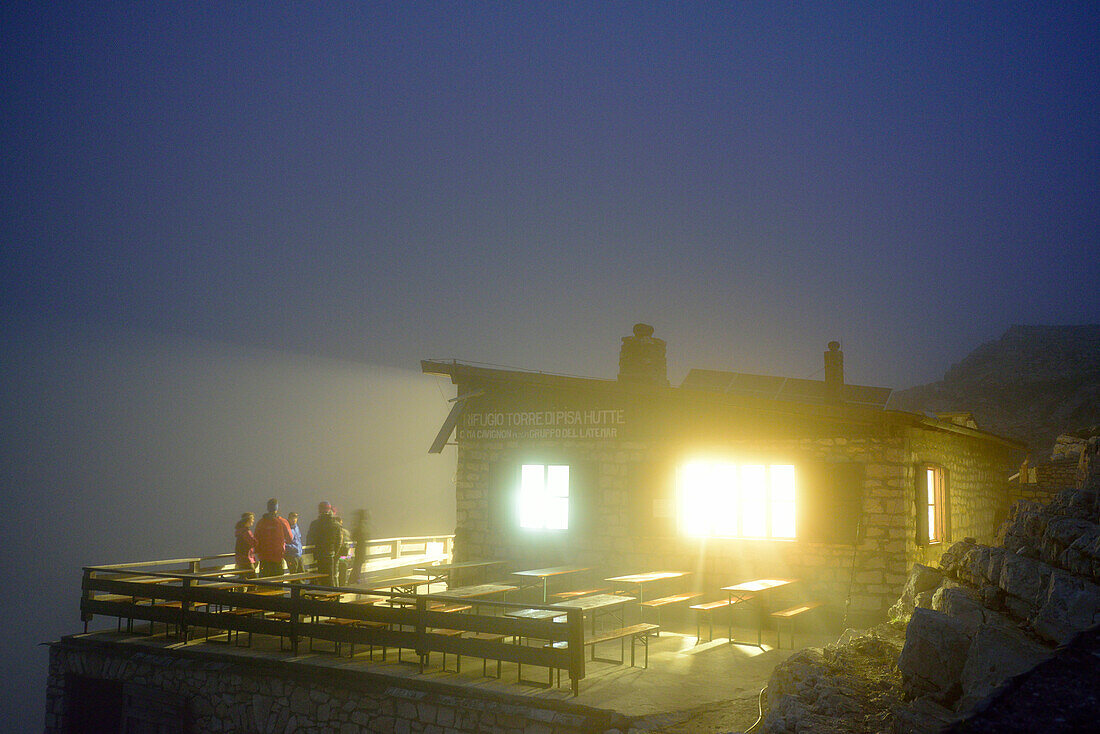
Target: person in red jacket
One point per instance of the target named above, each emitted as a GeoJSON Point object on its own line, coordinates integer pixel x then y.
{"type": "Point", "coordinates": [245, 550]}
{"type": "Point", "coordinates": [272, 535]}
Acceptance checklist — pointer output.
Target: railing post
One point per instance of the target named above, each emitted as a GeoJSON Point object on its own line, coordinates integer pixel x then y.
{"type": "Point", "coordinates": [575, 621]}
{"type": "Point", "coordinates": [295, 600]}
{"type": "Point", "coordinates": [86, 593]}
{"type": "Point", "coordinates": [185, 607]}
{"type": "Point", "coordinates": [421, 630]}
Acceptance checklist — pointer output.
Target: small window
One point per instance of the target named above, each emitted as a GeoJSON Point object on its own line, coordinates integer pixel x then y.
{"type": "Point", "coordinates": [543, 497]}
{"type": "Point", "coordinates": [931, 505]}
{"type": "Point", "coordinates": [727, 500]}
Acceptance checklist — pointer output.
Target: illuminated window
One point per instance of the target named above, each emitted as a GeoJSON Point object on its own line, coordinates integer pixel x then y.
{"type": "Point", "coordinates": [932, 503]}
{"type": "Point", "coordinates": [544, 496]}
{"type": "Point", "coordinates": [722, 499]}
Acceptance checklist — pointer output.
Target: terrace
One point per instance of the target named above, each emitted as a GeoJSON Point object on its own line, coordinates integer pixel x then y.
{"type": "Point", "coordinates": [639, 645]}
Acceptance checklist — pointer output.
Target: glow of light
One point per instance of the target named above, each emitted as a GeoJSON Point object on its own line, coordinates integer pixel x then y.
{"type": "Point", "coordinates": [754, 501]}
{"type": "Point", "coordinates": [783, 501]}
{"type": "Point", "coordinates": [723, 499]}
{"type": "Point", "coordinates": [930, 481]}
{"type": "Point", "coordinates": [557, 497]}
{"type": "Point", "coordinates": [543, 498]}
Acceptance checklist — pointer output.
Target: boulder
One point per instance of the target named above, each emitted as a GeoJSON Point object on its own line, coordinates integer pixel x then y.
{"type": "Point", "coordinates": [963, 604]}
{"type": "Point", "coordinates": [1071, 605]}
{"type": "Point", "coordinates": [1060, 534]}
{"type": "Point", "coordinates": [922, 716]}
{"type": "Point", "coordinates": [996, 562]}
{"type": "Point", "coordinates": [1076, 503]}
{"type": "Point", "coordinates": [997, 653]}
{"type": "Point", "coordinates": [790, 715]}
{"type": "Point", "coordinates": [1024, 578]}
{"type": "Point", "coordinates": [1083, 556]}
{"type": "Point", "coordinates": [993, 597]}
{"type": "Point", "coordinates": [917, 592]}
{"type": "Point", "coordinates": [950, 559]}
{"type": "Point", "coordinates": [800, 669]}
{"type": "Point", "coordinates": [931, 662]}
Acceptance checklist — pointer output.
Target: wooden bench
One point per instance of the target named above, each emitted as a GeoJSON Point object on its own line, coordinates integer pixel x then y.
{"type": "Point", "coordinates": [361, 623]}
{"type": "Point", "coordinates": [788, 615]}
{"type": "Point", "coordinates": [566, 595]}
{"type": "Point", "coordinates": [484, 637]}
{"type": "Point", "coordinates": [239, 612]}
{"type": "Point", "coordinates": [708, 610]}
{"type": "Point", "coordinates": [424, 658]}
{"type": "Point", "coordinates": [636, 633]}
{"type": "Point", "coordinates": [664, 601]}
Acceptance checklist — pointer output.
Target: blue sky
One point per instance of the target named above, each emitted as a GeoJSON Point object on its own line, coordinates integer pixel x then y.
{"type": "Point", "coordinates": [519, 183]}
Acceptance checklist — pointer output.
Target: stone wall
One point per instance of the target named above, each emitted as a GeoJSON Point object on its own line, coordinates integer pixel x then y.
{"type": "Point", "coordinates": [221, 693]}
{"type": "Point", "coordinates": [887, 546]}
{"type": "Point", "coordinates": [977, 487]}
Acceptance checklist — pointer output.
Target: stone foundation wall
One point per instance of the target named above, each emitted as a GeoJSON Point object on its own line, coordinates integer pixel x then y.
{"type": "Point", "coordinates": [206, 692]}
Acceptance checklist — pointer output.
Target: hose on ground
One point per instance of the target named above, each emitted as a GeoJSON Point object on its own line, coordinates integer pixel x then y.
{"type": "Point", "coordinates": [760, 710]}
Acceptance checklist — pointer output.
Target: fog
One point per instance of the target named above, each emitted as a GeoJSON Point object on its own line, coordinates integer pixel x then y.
{"type": "Point", "coordinates": [122, 447]}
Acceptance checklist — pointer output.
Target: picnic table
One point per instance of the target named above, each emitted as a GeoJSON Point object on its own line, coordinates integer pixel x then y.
{"type": "Point", "coordinates": [641, 579]}
{"type": "Point", "coordinates": [474, 592]}
{"type": "Point", "coordinates": [750, 592]}
{"type": "Point", "coordinates": [306, 576]}
{"type": "Point", "coordinates": [545, 574]}
{"type": "Point", "coordinates": [442, 572]}
{"type": "Point", "coordinates": [405, 585]}
{"type": "Point", "coordinates": [597, 604]}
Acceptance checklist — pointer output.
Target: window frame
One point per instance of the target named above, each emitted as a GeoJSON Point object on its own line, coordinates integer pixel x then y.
{"type": "Point", "coordinates": [932, 504]}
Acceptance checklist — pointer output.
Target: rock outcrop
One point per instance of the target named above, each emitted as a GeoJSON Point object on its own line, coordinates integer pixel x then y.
{"type": "Point", "coordinates": [973, 628]}
{"type": "Point", "coordinates": [1030, 384]}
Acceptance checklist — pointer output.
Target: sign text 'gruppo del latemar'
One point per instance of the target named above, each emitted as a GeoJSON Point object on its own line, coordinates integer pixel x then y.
{"type": "Point", "coordinates": [537, 424]}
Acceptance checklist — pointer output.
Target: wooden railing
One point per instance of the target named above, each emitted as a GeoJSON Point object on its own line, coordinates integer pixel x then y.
{"type": "Point", "coordinates": [379, 549]}
{"type": "Point", "coordinates": [190, 602]}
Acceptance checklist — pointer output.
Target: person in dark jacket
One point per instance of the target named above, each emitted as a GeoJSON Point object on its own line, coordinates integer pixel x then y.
{"type": "Point", "coordinates": [360, 535]}
{"type": "Point", "coordinates": [324, 535]}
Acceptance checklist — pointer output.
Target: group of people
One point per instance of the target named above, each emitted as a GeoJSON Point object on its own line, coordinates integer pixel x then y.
{"type": "Point", "coordinates": [276, 543]}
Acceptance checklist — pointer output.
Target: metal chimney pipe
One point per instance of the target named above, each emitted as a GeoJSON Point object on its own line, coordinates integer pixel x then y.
{"type": "Point", "coordinates": [834, 373]}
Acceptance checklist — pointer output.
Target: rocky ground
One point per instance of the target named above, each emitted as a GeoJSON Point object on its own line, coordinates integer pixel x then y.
{"type": "Point", "coordinates": [853, 686]}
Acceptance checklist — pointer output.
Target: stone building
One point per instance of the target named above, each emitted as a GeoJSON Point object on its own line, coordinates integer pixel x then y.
{"type": "Point", "coordinates": [731, 476]}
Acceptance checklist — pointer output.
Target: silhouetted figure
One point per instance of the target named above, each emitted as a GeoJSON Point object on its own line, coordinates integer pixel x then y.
{"type": "Point", "coordinates": [324, 535]}
{"type": "Point", "coordinates": [272, 535]}
{"type": "Point", "coordinates": [342, 552]}
{"type": "Point", "coordinates": [360, 535]}
{"type": "Point", "coordinates": [293, 552]}
{"type": "Point", "coordinates": [246, 543]}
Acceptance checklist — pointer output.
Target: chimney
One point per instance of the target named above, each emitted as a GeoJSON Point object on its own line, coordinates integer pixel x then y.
{"type": "Point", "coordinates": [834, 373]}
{"type": "Point", "coordinates": [642, 358]}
